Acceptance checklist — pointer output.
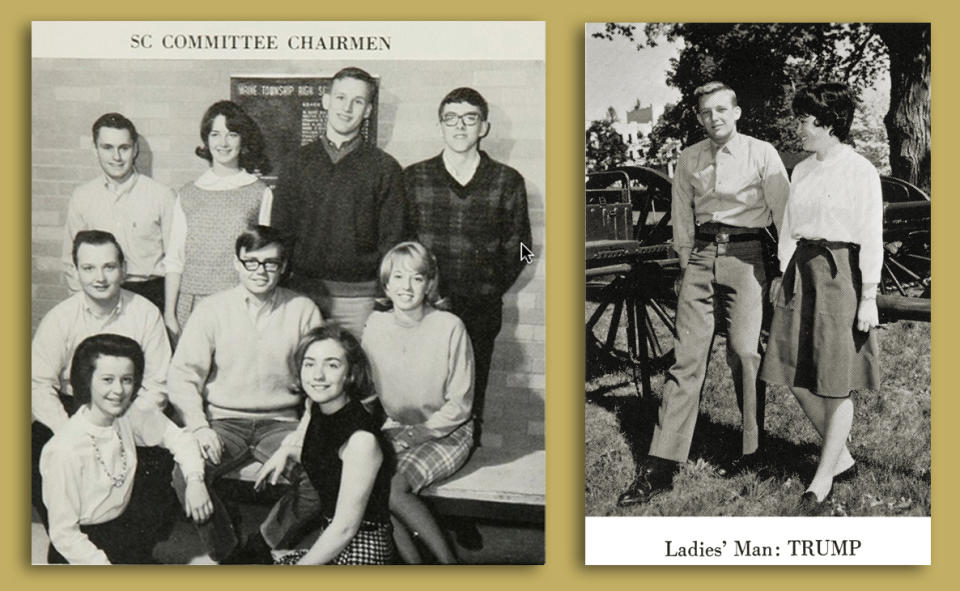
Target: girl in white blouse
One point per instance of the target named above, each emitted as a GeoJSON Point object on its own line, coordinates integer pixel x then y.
{"type": "Point", "coordinates": [821, 344]}
{"type": "Point", "coordinates": [88, 467]}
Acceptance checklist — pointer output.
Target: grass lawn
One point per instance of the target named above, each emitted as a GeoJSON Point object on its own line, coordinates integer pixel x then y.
{"type": "Point", "coordinates": [890, 440]}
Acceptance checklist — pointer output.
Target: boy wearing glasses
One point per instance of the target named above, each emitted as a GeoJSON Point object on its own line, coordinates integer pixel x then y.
{"type": "Point", "coordinates": [231, 382]}
{"type": "Point", "coordinates": [471, 211]}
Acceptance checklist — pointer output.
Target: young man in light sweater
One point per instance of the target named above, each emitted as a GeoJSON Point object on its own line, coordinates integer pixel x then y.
{"type": "Point", "coordinates": [230, 379]}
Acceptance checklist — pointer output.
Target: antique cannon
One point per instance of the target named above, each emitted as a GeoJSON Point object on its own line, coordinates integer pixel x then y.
{"type": "Point", "coordinates": [631, 268]}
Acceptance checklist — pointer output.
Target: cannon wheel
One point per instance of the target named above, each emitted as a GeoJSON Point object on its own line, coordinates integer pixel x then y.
{"type": "Point", "coordinates": [905, 278]}
{"type": "Point", "coordinates": [640, 302]}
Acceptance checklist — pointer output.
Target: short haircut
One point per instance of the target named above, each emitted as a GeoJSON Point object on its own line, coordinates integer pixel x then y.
{"type": "Point", "coordinates": [465, 95]}
{"type": "Point", "coordinates": [93, 348]}
{"type": "Point", "coordinates": [710, 88]}
{"type": "Point", "coordinates": [418, 258]}
{"type": "Point", "coordinates": [830, 103]}
{"type": "Point", "coordinates": [361, 75]}
{"type": "Point", "coordinates": [253, 156]}
{"type": "Point", "coordinates": [96, 238]}
{"type": "Point", "coordinates": [359, 383]}
{"type": "Point", "coordinates": [114, 121]}
{"type": "Point", "coordinates": [257, 237]}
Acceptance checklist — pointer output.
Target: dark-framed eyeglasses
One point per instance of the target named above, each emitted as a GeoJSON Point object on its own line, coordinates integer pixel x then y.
{"type": "Point", "coordinates": [453, 119]}
{"type": "Point", "coordinates": [269, 265]}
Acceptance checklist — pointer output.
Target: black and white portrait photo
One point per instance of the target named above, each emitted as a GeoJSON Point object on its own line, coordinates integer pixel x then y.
{"type": "Point", "coordinates": [758, 289]}
{"type": "Point", "coordinates": [288, 292]}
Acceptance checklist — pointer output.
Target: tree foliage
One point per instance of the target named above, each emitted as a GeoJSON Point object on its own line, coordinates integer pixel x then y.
{"type": "Point", "coordinates": [605, 147]}
{"type": "Point", "coordinates": [767, 62]}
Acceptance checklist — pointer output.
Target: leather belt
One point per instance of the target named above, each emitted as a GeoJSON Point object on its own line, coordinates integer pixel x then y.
{"type": "Point", "coordinates": [725, 236]}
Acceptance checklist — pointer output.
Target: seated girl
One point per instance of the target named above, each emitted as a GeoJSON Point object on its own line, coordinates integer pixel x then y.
{"type": "Point", "coordinates": [422, 363]}
{"type": "Point", "coordinates": [342, 453]}
{"type": "Point", "coordinates": [88, 466]}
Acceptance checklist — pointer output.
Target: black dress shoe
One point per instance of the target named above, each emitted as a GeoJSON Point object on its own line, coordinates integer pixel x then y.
{"type": "Point", "coordinates": [652, 478]}
{"type": "Point", "coordinates": [745, 463]}
{"type": "Point", "coordinates": [254, 551]}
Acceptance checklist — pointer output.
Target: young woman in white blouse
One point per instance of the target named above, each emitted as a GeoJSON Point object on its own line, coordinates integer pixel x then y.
{"type": "Point", "coordinates": [821, 342]}
{"type": "Point", "coordinates": [88, 467]}
{"type": "Point", "coordinates": [213, 210]}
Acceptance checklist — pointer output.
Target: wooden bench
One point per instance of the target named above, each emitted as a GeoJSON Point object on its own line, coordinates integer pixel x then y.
{"type": "Point", "coordinates": [494, 484]}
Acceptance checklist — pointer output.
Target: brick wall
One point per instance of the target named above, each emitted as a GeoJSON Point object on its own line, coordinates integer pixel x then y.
{"type": "Point", "coordinates": [166, 98]}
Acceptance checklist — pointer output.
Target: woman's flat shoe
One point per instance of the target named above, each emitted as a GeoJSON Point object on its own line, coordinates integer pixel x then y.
{"type": "Point", "coordinates": [848, 474]}
{"type": "Point", "coordinates": [809, 505]}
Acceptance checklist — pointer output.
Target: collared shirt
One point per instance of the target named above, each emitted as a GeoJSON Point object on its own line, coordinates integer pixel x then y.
{"type": "Point", "coordinates": [209, 181]}
{"type": "Point", "coordinates": [78, 465]}
{"type": "Point", "coordinates": [742, 183]}
{"type": "Point", "coordinates": [71, 321]}
{"type": "Point", "coordinates": [464, 177]}
{"type": "Point", "coordinates": [231, 365]}
{"type": "Point", "coordinates": [337, 153]}
{"type": "Point", "coordinates": [138, 212]}
{"type": "Point", "coordinates": [837, 199]}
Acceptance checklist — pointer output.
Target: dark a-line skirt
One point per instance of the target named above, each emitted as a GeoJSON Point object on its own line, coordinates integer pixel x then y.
{"type": "Point", "coordinates": [814, 342]}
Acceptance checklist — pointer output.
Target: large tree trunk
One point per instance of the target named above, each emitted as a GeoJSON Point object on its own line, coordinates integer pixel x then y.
{"type": "Point", "coordinates": [908, 120]}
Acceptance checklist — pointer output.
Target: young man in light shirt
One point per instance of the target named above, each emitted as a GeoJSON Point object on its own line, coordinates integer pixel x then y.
{"type": "Point", "coordinates": [727, 189]}
{"type": "Point", "coordinates": [100, 307]}
{"type": "Point", "coordinates": [231, 381]}
{"type": "Point", "coordinates": [132, 206]}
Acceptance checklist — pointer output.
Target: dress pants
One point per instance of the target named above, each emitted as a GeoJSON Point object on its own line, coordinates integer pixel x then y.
{"type": "Point", "coordinates": [245, 440]}
{"type": "Point", "coordinates": [482, 317]}
{"type": "Point", "coordinates": [725, 281]}
{"type": "Point", "coordinates": [152, 289]}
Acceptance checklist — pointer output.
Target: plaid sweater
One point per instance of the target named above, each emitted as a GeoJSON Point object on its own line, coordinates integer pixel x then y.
{"type": "Point", "coordinates": [345, 215]}
{"type": "Point", "coordinates": [474, 230]}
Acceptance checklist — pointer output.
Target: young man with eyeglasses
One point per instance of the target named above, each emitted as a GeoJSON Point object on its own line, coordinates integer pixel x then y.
{"type": "Point", "coordinates": [231, 381]}
{"type": "Point", "coordinates": [471, 212]}
{"type": "Point", "coordinates": [342, 197]}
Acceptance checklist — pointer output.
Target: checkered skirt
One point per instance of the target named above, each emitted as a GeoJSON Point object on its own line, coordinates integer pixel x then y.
{"type": "Point", "coordinates": [436, 459]}
{"type": "Point", "coordinates": [373, 544]}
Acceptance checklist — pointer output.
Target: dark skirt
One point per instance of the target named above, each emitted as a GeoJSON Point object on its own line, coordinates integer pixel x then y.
{"type": "Point", "coordinates": [814, 342]}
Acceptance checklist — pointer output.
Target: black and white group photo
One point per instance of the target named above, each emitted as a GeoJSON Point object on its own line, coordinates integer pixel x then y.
{"type": "Point", "coordinates": [287, 309]}
{"type": "Point", "coordinates": [758, 270]}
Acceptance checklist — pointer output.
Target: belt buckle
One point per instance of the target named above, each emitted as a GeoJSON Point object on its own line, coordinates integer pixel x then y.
{"type": "Point", "coordinates": [722, 239]}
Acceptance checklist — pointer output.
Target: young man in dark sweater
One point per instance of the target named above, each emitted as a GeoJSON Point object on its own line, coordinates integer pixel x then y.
{"type": "Point", "coordinates": [471, 211]}
{"type": "Point", "coordinates": [342, 198]}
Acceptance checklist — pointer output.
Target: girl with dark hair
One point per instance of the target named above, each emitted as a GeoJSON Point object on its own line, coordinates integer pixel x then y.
{"type": "Point", "coordinates": [94, 506]}
{"type": "Point", "coordinates": [821, 343]}
{"type": "Point", "coordinates": [343, 452]}
{"type": "Point", "coordinates": [213, 210]}
{"type": "Point", "coordinates": [422, 363]}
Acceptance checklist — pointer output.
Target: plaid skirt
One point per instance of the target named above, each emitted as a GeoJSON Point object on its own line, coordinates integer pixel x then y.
{"type": "Point", "coordinates": [814, 342]}
{"type": "Point", "coordinates": [436, 459]}
{"type": "Point", "coordinates": [373, 544]}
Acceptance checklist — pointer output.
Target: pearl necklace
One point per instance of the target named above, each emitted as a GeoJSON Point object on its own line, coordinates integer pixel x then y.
{"type": "Point", "coordinates": [118, 479]}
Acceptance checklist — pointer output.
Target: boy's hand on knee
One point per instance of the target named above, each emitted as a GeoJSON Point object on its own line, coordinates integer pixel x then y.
{"type": "Point", "coordinates": [211, 448]}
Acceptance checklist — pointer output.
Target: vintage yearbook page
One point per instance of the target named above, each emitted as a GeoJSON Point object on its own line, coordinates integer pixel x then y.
{"type": "Point", "coordinates": [758, 282]}
{"type": "Point", "coordinates": [205, 195]}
